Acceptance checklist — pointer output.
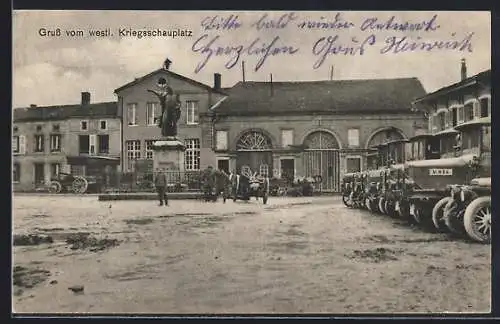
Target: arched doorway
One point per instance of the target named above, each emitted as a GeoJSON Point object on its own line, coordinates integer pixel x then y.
{"type": "Point", "coordinates": [254, 154]}
{"type": "Point", "coordinates": [321, 158]}
{"type": "Point", "coordinates": [384, 135]}
{"type": "Point", "coordinates": [381, 136]}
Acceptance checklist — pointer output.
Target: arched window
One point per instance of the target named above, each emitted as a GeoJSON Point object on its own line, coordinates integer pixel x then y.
{"type": "Point", "coordinates": [321, 140]}
{"type": "Point", "coordinates": [254, 141]}
{"type": "Point", "coordinates": [383, 136]}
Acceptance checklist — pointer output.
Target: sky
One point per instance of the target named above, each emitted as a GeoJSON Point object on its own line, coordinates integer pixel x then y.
{"type": "Point", "coordinates": [54, 70]}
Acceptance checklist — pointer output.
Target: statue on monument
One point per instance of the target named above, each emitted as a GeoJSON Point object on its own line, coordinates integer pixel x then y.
{"type": "Point", "coordinates": [170, 108]}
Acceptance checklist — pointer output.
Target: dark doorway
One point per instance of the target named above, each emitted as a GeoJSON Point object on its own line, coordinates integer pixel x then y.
{"type": "Point", "coordinates": [255, 162]}
{"type": "Point", "coordinates": [287, 170]}
{"type": "Point", "coordinates": [223, 165]}
{"type": "Point", "coordinates": [39, 173]}
{"type": "Point", "coordinates": [353, 164]}
{"type": "Point", "coordinates": [324, 163]}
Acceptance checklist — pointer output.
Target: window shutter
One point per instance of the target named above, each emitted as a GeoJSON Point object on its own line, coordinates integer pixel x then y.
{"type": "Point", "coordinates": [449, 118]}
{"type": "Point", "coordinates": [477, 109]}
{"type": "Point", "coordinates": [92, 140]}
{"type": "Point", "coordinates": [22, 144]}
{"type": "Point", "coordinates": [460, 114]}
{"type": "Point", "coordinates": [221, 140]}
{"type": "Point", "coordinates": [286, 137]}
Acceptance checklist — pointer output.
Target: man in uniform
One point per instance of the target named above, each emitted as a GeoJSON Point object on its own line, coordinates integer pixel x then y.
{"type": "Point", "coordinates": [208, 181]}
{"type": "Point", "coordinates": [161, 185]}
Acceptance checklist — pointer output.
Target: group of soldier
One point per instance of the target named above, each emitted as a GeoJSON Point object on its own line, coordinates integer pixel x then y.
{"type": "Point", "coordinates": [213, 182]}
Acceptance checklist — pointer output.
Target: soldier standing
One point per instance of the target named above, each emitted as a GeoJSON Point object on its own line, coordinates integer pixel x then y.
{"type": "Point", "coordinates": [160, 185]}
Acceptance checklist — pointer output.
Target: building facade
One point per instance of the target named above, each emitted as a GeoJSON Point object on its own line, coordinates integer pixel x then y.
{"type": "Point", "coordinates": [317, 129]}
{"type": "Point", "coordinates": [52, 139]}
{"type": "Point", "coordinates": [459, 103]}
{"type": "Point", "coordinates": [311, 129]}
{"type": "Point", "coordinates": [139, 110]}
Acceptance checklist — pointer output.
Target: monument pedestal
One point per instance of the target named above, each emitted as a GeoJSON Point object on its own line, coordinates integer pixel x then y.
{"type": "Point", "coordinates": [168, 154]}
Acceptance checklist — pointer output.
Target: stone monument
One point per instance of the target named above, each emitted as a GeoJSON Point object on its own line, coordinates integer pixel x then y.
{"type": "Point", "coordinates": [168, 153]}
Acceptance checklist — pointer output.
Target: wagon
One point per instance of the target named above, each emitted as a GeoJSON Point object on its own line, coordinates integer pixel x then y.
{"type": "Point", "coordinates": [66, 182]}
{"type": "Point", "coordinates": [250, 186]}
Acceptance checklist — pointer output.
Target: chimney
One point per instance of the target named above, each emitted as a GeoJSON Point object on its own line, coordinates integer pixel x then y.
{"type": "Point", "coordinates": [85, 98]}
{"type": "Point", "coordinates": [463, 70]}
{"type": "Point", "coordinates": [243, 70]}
{"type": "Point", "coordinates": [217, 81]}
{"type": "Point", "coordinates": [166, 64]}
{"type": "Point", "coordinates": [32, 106]}
{"type": "Point", "coordinates": [271, 84]}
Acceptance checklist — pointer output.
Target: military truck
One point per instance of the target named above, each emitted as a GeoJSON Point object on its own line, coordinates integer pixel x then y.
{"type": "Point", "coordinates": [393, 176]}
{"type": "Point", "coordinates": [467, 210]}
{"type": "Point", "coordinates": [432, 178]}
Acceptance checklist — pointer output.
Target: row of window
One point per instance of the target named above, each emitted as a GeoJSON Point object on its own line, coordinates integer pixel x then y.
{"type": "Point", "coordinates": [84, 125]}
{"type": "Point", "coordinates": [153, 113]}
{"type": "Point", "coordinates": [192, 153]}
{"type": "Point", "coordinates": [39, 128]}
{"type": "Point", "coordinates": [92, 144]}
{"type": "Point", "coordinates": [39, 171]}
{"type": "Point", "coordinates": [457, 115]}
{"type": "Point", "coordinates": [286, 138]}
{"type": "Point", "coordinates": [19, 143]}
{"type": "Point", "coordinates": [88, 144]}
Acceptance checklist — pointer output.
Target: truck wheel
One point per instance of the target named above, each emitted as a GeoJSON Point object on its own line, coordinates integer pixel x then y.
{"type": "Point", "coordinates": [422, 216]}
{"type": "Point", "coordinates": [416, 213]}
{"type": "Point", "coordinates": [381, 203]}
{"type": "Point", "coordinates": [389, 208]}
{"type": "Point", "coordinates": [403, 210]}
{"type": "Point", "coordinates": [368, 204]}
{"type": "Point", "coordinates": [438, 214]}
{"type": "Point", "coordinates": [477, 220]}
{"type": "Point", "coordinates": [453, 218]}
{"type": "Point", "coordinates": [55, 187]}
{"type": "Point", "coordinates": [346, 199]}
{"type": "Point", "coordinates": [264, 199]}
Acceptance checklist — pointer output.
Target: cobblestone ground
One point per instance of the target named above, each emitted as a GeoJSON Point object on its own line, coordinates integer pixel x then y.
{"type": "Point", "coordinates": [294, 255]}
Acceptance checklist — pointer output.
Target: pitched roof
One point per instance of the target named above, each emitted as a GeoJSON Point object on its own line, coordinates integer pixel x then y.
{"type": "Point", "coordinates": [100, 109]}
{"type": "Point", "coordinates": [175, 75]}
{"type": "Point", "coordinates": [456, 86]}
{"type": "Point", "coordinates": [306, 97]}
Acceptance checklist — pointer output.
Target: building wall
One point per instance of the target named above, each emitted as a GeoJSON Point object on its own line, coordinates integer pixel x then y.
{"type": "Point", "coordinates": [302, 126]}
{"type": "Point", "coordinates": [27, 159]}
{"type": "Point", "coordinates": [69, 131]}
{"type": "Point", "coordinates": [458, 100]}
{"type": "Point", "coordinates": [188, 91]}
{"type": "Point", "coordinates": [113, 130]}
{"type": "Point", "coordinates": [446, 104]}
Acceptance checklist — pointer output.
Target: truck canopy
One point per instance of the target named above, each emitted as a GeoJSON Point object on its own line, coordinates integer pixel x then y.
{"type": "Point", "coordinates": [374, 173]}
{"type": "Point", "coordinates": [483, 182]}
{"type": "Point", "coordinates": [399, 166]}
{"type": "Point", "coordinates": [450, 162]}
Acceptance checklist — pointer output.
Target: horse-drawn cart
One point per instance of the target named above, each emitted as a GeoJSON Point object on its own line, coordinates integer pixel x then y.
{"type": "Point", "coordinates": [66, 182]}
{"type": "Point", "coordinates": [250, 185]}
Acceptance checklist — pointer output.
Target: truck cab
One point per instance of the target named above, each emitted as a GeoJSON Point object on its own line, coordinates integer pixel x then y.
{"type": "Point", "coordinates": [394, 174]}
{"type": "Point", "coordinates": [375, 178]}
{"type": "Point", "coordinates": [431, 177]}
{"type": "Point", "coordinates": [468, 208]}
